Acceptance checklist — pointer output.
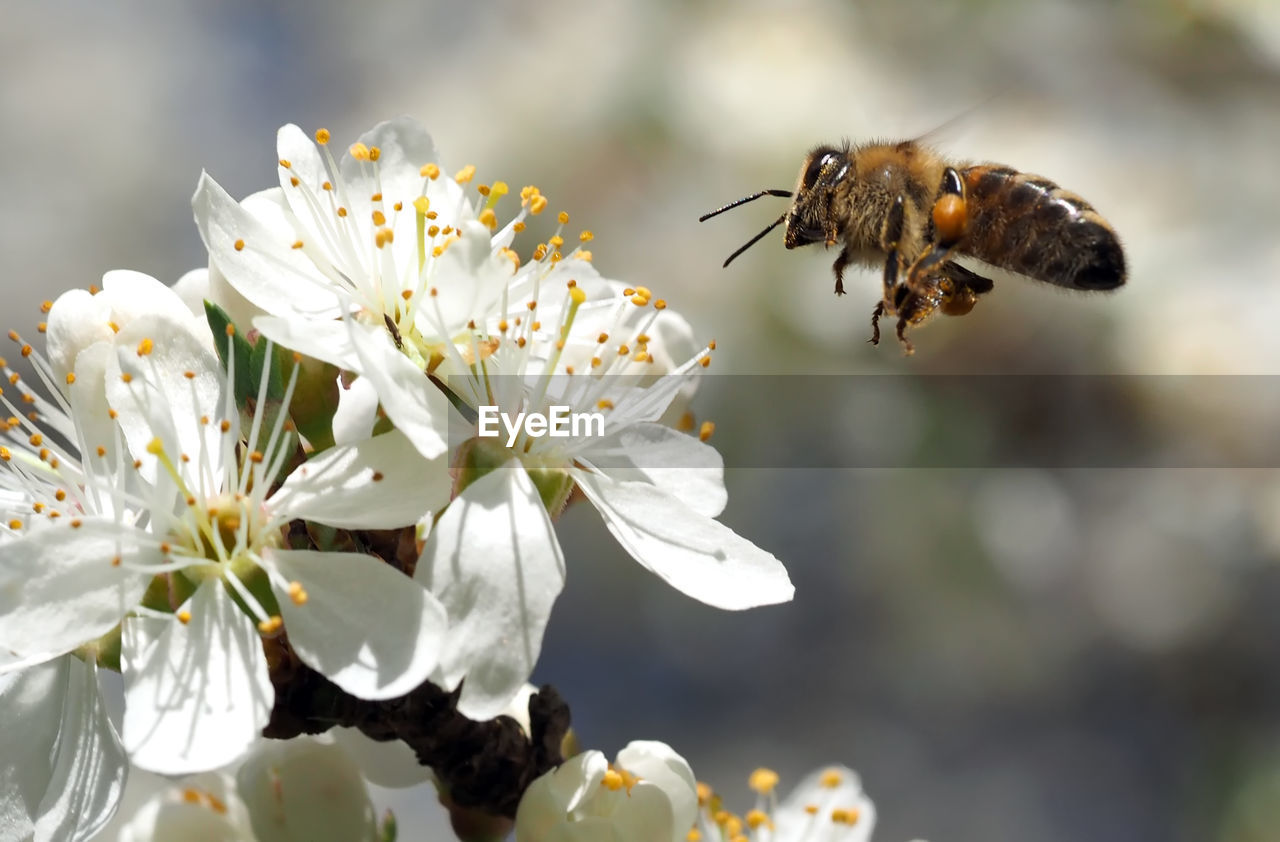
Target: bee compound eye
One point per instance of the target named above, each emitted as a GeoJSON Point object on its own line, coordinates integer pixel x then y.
{"type": "Point", "coordinates": [816, 165]}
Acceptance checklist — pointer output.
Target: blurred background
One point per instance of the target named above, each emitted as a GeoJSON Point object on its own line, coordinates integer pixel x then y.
{"type": "Point", "coordinates": [1040, 653]}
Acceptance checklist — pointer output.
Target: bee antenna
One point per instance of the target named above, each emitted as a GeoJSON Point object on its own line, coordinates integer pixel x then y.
{"type": "Point", "coordinates": [757, 237]}
{"type": "Point", "coordinates": [786, 194]}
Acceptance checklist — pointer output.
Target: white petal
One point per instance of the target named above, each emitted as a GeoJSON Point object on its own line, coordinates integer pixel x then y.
{"type": "Point", "coordinates": [660, 765]}
{"type": "Point", "coordinates": [679, 464]}
{"type": "Point", "coordinates": [357, 412]}
{"type": "Point", "coordinates": [265, 269]}
{"type": "Point", "coordinates": [197, 695]}
{"type": "Point", "coordinates": [77, 320]}
{"type": "Point", "coordinates": [89, 764]}
{"type": "Point", "coordinates": [410, 400]}
{"type": "Point", "coordinates": [71, 591]}
{"type": "Point", "coordinates": [693, 553]}
{"type": "Point", "coordinates": [365, 626]}
{"type": "Point", "coordinates": [387, 763]}
{"type": "Point", "coordinates": [160, 400]}
{"type": "Point", "coordinates": [304, 790]}
{"type": "Point", "coordinates": [338, 487]}
{"type": "Point", "coordinates": [547, 801]}
{"type": "Point", "coordinates": [494, 561]}
{"type": "Point", "coordinates": [194, 289]}
{"type": "Point", "coordinates": [329, 341]}
{"type": "Point", "coordinates": [133, 295]}
{"type": "Point", "coordinates": [818, 794]}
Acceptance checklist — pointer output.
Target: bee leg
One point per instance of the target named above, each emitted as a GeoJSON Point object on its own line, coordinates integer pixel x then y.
{"type": "Point", "coordinates": [875, 323]}
{"type": "Point", "coordinates": [845, 258]}
{"type": "Point", "coordinates": [907, 348]}
{"type": "Point", "coordinates": [947, 223]}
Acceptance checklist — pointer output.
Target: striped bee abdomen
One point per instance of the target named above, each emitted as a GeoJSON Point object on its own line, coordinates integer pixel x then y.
{"type": "Point", "coordinates": [1029, 225]}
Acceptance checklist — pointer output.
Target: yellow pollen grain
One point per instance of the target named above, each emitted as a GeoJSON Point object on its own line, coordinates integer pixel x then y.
{"type": "Point", "coordinates": [36, 439]}
{"type": "Point", "coordinates": [704, 793]}
{"type": "Point", "coordinates": [41, 327]}
{"type": "Point", "coordinates": [271, 625]}
{"type": "Point", "coordinates": [256, 457]}
{"type": "Point", "coordinates": [26, 350]}
{"type": "Point", "coordinates": [398, 206]}
{"type": "Point", "coordinates": [705, 362]}
{"type": "Point", "coordinates": [46, 306]}
{"type": "Point", "coordinates": [430, 171]}
{"type": "Point", "coordinates": [102, 451]}
{"type": "Point", "coordinates": [563, 218]}
{"type": "Point", "coordinates": [569, 369]}
{"type": "Point", "coordinates": [643, 338]}
{"type": "Point", "coordinates": [537, 204]}
{"type": "Point", "coordinates": [556, 257]}
{"type": "Point", "coordinates": [465, 174]}
{"type": "Point", "coordinates": [660, 304]}
{"type": "Point", "coordinates": [137, 464]}
{"type": "Point", "coordinates": [482, 189]}
{"type": "Point", "coordinates": [297, 244]}
{"type": "Point", "coordinates": [376, 197]}
{"type": "Point", "coordinates": [519, 226]}
{"type": "Point", "coordinates": [284, 162]}
{"type": "Point", "coordinates": [556, 241]}
{"type": "Point", "coordinates": [71, 377]}
{"type": "Point", "coordinates": [359, 151]}
{"type": "Point", "coordinates": [705, 432]}
{"type": "Point", "coordinates": [239, 245]}
{"type": "Point", "coordinates": [184, 617]}
{"type": "Point", "coordinates": [322, 136]}
{"type": "Point", "coordinates": [75, 524]}
{"type": "Point", "coordinates": [845, 815]}
{"type": "Point", "coordinates": [225, 425]}
{"type": "Point", "coordinates": [342, 212]}
{"type": "Point", "coordinates": [60, 495]}
{"type": "Point", "coordinates": [328, 185]}
{"type": "Point", "coordinates": [757, 819]}
{"type": "Point", "coordinates": [644, 292]}
{"type": "Point", "coordinates": [383, 237]}
{"type": "Point", "coordinates": [15, 524]}
{"type": "Point", "coordinates": [520, 343]}
{"type": "Point", "coordinates": [639, 301]}
{"type": "Point", "coordinates": [586, 237]}
{"type": "Point", "coordinates": [293, 181]}
{"type": "Point", "coordinates": [433, 230]}
{"type": "Point", "coordinates": [379, 218]}
{"type": "Point", "coordinates": [535, 325]}
{"type": "Point", "coordinates": [540, 252]}
{"type": "Point", "coordinates": [185, 458]}
{"type": "Point", "coordinates": [640, 357]}
{"type": "Point", "coordinates": [582, 254]}
{"type": "Point", "coordinates": [596, 362]}
{"type": "Point", "coordinates": [623, 350]}
{"type": "Point", "coordinates": [146, 346]}
{"type": "Point", "coordinates": [604, 403]}
{"type": "Point", "coordinates": [297, 594]}
{"type": "Point", "coordinates": [5, 454]}
{"type": "Point", "coordinates": [831, 778]}
{"type": "Point", "coordinates": [448, 229]}
{"type": "Point", "coordinates": [115, 328]}
{"type": "Point", "coordinates": [762, 780]}
{"type": "Point", "coordinates": [375, 153]}
{"type": "Point", "coordinates": [502, 326]}
{"type": "Point", "coordinates": [489, 219]}
{"type": "Point", "coordinates": [611, 781]}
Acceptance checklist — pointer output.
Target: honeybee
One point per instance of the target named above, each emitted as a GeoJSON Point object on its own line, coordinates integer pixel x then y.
{"type": "Point", "coordinates": [904, 207]}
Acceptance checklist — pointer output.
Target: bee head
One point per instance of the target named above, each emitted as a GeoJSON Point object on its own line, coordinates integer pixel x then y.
{"type": "Point", "coordinates": [809, 220]}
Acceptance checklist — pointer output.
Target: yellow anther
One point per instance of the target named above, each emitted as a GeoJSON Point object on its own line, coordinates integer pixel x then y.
{"type": "Point", "coordinates": [537, 204]}
{"type": "Point", "coordinates": [36, 439]}
{"type": "Point", "coordinates": [374, 153]}
{"type": "Point", "coordinates": [762, 780]}
{"type": "Point", "coordinates": [519, 226]}
{"type": "Point", "coordinates": [430, 171]}
{"type": "Point", "coordinates": [398, 206]}
{"type": "Point", "coordinates": [297, 594]}
{"type": "Point", "coordinates": [15, 524]}
{"type": "Point", "coordinates": [711, 346]}
{"type": "Point", "coordinates": [624, 350]}
{"type": "Point", "coordinates": [831, 778]}
{"type": "Point", "coordinates": [376, 197]}
{"type": "Point", "coordinates": [596, 362]}
{"type": "Point", "coordinates": [611, 781]}
{"type": "Point", "coordinates": [284, 162]}
{"type": "Point", "coordinates": [71, 377]}
{"type": "Point", "coordinates": [488, 218]}
{"type": "Point", "coordinates": [757, 819]}
{"type": "Point", "coordinates": [465, 174]}
{"type": "Point", "coordinates": [297, 244]}
{"type": "Point", "coordinates": [225, 426]}
{"type": "Point", "coordinates": [256, 457]}
{"type": "Point", "coordinates": [640, 357]}
{"type": "Point", "coordinates": [239, 244]}
{"type": "Point", "coordinates": [639, 301]}
{"type": "Point", "coordinates": [146, 346]}
{"type": "Point", "coordinates": [271, 625]}
{"type": "Point", "coordinates": [327, 186]}
{"type": "Point", "coordinates": [46, 306]}
{"type": "Point", "coordinates": [115, 328]}
{"type": "Point", "coordinates": [383, 237]}
{"type": "Point", "coordinates": [556, 242]}
{"type": "Point", "coordinates": [322, 136]}
{"type": "Point", "coordinates": [604, 403]}
{"type": "Point", "coordinates": [342, 213]}
{"type": "Point", "coordinates": [586, 237]}
{"type": "Point", "coordinates": [229, 330]}
{"type": "Point", "coordinates": [563, 218]}
{"type": "Point", "coordinates": [432, 230]}
{"type": "Point", "coordinates": [184, 617]}
{"type": "Point", "coordinates": [705, 362]}
{"type": "Point", "coordinates": [293, 181]}
{"type": "Point", "coordinates": [379, 218]}
{"type": "Point", "coordinates": [845, 815]}
{"type": "Point", "coordinates": [511, 255]}
{"type": "Point", "coordinates": [502, 326]}
{"type": "Point", "coordinates": [582, 254]}
{"type": "Point", "coordinates": [359, 151]}
{"type": "Point", "coordinates": [660, 304]}
{"type": "Point", "coordinates": [540, 252]}
{"type": "Point", "coordinates": [694, 835]}
{"type": "Point", "coordinates": [705, 432]}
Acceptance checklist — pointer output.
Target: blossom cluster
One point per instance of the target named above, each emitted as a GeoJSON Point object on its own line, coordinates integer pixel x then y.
{"type": "Point", "coordinates": [198, 483]}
